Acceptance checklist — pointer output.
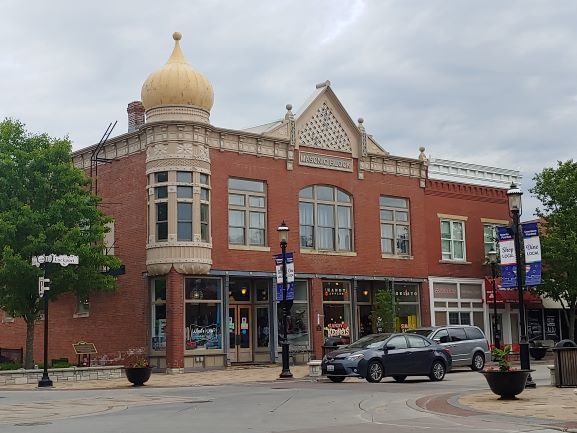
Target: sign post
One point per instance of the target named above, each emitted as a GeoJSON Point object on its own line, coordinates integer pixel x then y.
{"type": "Point", "coordinates": [43, 292]}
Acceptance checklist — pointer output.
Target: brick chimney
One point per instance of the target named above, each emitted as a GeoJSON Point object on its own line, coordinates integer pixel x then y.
{"type": "Point", "coordinates": [135, 112]}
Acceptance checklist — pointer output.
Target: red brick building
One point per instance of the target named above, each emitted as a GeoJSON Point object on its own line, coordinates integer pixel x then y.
{"type": "Point", "coordinates": [196, 209]}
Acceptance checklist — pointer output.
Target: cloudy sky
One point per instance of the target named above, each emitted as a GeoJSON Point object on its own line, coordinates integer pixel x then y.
{"type": "Point", "coordinates": [488, 82]}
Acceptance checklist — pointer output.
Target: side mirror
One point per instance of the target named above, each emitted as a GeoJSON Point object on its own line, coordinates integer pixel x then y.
{"type": "Point", "coordinates": [437, 340]}
{"type": "Point", "coordinates": [389, 347]}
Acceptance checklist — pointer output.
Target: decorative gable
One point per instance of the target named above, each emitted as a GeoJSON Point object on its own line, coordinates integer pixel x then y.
{"type": "Point", "coordinates": [324, 131]}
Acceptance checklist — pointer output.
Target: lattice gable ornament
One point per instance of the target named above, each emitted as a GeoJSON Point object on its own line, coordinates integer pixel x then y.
{"type": "Point", "coordinates": [324, 131]}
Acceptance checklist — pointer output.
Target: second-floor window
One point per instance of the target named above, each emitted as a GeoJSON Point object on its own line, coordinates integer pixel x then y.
{"type": "Point", "coordinates": [326, 218]}
{"type": "Point", "coordinates": [246, 212]}
{"type": "Point", "coordinates": [490, 238]}
{"type": "Point", "coordinates": [453, 240]}
{"type": "Point", "coordinates": [395, 225]}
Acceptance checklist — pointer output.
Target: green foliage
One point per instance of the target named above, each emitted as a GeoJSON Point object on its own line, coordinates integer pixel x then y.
{"type": "Point", "coordinates": [502, 357]}
{"type": "Point", "coordinates": [10, 366]}
{"type": "Point", "coordinates": [46, 208]}
{"type": "Point", "coordinates": [383, 313]}
{"type": "Point", "coordinates": [556, 189]}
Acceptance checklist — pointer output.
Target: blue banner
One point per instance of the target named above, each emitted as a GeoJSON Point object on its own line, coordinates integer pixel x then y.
{"type": "Point", "coordinates": [290, 274]}
{"type": "Point", "coordinates": [508, 258]}
{"type": "Point", "coordinates": [532, 254]}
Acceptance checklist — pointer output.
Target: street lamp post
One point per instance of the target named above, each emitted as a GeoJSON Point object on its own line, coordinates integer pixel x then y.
{"type": "Point", "coordinates": [492, 258]}
{"type": "Point", "coordinates": [283, 238]}
{"type": "Point", "coordinates": [45, 381]}
{"type": "Point", "coordinates": [514, 194]}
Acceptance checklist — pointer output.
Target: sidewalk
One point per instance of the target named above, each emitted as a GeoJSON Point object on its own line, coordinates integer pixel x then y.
{"type": "Point", "coordinates": [230, 375]}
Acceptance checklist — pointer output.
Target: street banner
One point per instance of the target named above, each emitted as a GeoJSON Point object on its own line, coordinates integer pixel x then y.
{"type": "Point", "coordinates": [508, 259]}
{"type": "Point", "coordinates": [532, 254]}
{"type": "Point", "coordinates": [290, 277]}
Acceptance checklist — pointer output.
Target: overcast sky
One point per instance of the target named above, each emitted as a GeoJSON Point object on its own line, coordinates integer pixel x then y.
{"type": "Point", "coordinates": [487, 82]}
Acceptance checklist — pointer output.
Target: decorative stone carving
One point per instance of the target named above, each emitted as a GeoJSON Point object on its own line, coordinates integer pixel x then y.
{"type": "Point", "coordinates": [324, 131]}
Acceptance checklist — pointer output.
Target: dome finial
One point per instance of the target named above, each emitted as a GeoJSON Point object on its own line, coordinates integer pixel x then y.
{"type": "Point", "coordinates": [177, 36]}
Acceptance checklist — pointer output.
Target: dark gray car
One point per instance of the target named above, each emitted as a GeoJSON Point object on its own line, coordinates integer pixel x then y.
{"type": "Point", "coordinates": [395, 355]}
{"type": "Point", "coordinates": [467, 344]}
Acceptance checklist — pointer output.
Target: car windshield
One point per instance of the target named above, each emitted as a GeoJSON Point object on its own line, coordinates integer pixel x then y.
{"type": "Point", "coordinates": [423, 332]}
{"type": "Point", "coordinates": [369, 342]}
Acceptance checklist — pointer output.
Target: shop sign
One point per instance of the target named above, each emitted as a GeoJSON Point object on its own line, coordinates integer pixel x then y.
{"type": "Point", "coordinates": [325, 161]}
{"type": "Point", "coordinates": [508, 258]}
{"type": "Point", "coordinates": [290, 277]}
{"type": "Point", "coordinates": [441, 290]}
{"type": "Point", "coordinates": [338, 330]}
{"type": "Point", "coordinates": [551, 330]}
{"type": "Point", "coordinates": [532, 254]}
{"type": "Point", "coordinates": [406, 294]}
{"type": "Point", "coordinates": [335, 293]}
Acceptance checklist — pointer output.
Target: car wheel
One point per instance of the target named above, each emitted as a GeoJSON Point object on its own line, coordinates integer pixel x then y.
{"type": "Point", "coordinates": [437, 371]}
{"type": "Point", "coordinates": [399, 378]}
{"type": "Point", "coordinates": [336, 379]}
{"type": "Point", "coordinates": [375, 372]}
{"type": "Point", "coordinates": [478, 362]}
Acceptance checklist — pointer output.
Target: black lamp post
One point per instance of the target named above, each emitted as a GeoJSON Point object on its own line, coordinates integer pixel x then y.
{"type": "Point", "coordinates": [492, 259]}
{"type": "Point", "coordinates": [284, 304]}
{"type": "Point", "coordinates": [515, 208]}
{"type": "Point", "coordinates": [44, 283]}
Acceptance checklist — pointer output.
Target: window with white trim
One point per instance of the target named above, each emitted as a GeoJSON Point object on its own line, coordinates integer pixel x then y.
{"type": "Point", "coordinates": [161, 205]}
{"type": "Point", "coordinates": [453, 240]}
{"type": "Point", "coordinates": [395, 225]}
{"type": "Point", "coordinates": [490, 239]}
{"type": "Point", "coordinates": [246, 212]}
{"type": "Point", "coordinates": [326, 218]}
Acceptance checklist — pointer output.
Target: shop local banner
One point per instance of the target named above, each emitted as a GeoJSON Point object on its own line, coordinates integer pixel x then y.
{"type": "Point", "coordinates": [532, 254]}
{"type": "Point", "coordinates": [290, 277]}
{"type": "Point", "coordinates": [508, 260]}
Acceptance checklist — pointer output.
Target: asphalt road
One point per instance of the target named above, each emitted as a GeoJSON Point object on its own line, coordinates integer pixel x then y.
{"type": "Point", "coordinates": [299, 407]}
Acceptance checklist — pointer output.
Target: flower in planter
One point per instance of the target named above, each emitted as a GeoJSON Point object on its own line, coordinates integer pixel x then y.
{"type": "Point", "coordinates": [136, 358]}
{"type": "Point", "coordinates": [502, 358]}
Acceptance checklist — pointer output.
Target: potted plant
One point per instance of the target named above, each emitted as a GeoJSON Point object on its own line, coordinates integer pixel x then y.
{"type": "Point", "coordinates": [505, 381]}
{"type": "Point", "coordinates": [537, 350]}
{"type": "Point", "coordinates": [137, 367]}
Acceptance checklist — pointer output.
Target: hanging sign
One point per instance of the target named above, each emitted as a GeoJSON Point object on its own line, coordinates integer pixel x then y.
{"type": "Point", "coordinates": [290, 277]}
{"type": "Point", "coordinates": [532, 254]}
{"type": "Point", "coordinates": [508, 259]}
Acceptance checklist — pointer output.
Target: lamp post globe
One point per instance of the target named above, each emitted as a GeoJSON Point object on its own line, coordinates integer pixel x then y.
{"type": "Point", "coordinates": [284, 303]}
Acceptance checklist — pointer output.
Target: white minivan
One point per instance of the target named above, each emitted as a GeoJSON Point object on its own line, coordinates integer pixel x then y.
{"type": "Point", "coordinates": [467, 344]}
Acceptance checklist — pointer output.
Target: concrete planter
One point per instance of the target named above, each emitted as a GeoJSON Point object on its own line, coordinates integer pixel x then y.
{"type": "Point", "coordinates": [70, 374]}
{"type": "Point", "coordinates": [507, 384]}
{"type": "Point", "coordinates": [315, 368]}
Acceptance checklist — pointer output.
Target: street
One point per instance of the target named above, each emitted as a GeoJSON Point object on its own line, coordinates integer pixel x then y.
{"type": "Point", "coordinates": [280, 406]}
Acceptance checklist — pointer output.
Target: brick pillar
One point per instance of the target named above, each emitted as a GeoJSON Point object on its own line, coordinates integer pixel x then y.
{"type": "Point", "coordinates": [317, 315]}
{"type": "Point", "coordinates": [174, 322]}
{"type": "Point", "coordinates": [135, 112]}
{"type": "Point", "coordinates": [426, 306]}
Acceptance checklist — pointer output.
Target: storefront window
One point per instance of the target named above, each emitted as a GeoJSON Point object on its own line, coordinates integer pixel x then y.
{"type": "Point", "coordinates": [239, 290]}
{"type": "Point", "coordinates": [298, 320]}
{"type": "Point", "coordinates": [364, 307]}
{"type": "Point", "coordinates": [203, 313]}
{"type": "Point", "coordinates": [408, 308]}
{"type": "Point", "coordinates": [158, 292]}
{"type": "Point", "coordinates": [337, 310]}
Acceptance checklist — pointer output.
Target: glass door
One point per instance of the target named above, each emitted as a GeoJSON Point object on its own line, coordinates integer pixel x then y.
{"type": "Point", "coordinates": [240, 333]}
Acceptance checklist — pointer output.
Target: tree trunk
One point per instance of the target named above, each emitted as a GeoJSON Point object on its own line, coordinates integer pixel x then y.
{"type": "Point", "coordinates": [572, 322]}
{"type": "Point", "coordinates": [29, 356]}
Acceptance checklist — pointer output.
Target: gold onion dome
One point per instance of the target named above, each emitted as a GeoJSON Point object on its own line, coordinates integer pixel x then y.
{"type": "Point", "coordinates": [177, 83]}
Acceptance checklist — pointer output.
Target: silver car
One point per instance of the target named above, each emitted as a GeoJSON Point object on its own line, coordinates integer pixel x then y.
{"type": "Point", "coordinates": [468, 345]}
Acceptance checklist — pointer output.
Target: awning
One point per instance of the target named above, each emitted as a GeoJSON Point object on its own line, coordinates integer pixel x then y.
{"type": "Point", "coordinates": [509, 296]}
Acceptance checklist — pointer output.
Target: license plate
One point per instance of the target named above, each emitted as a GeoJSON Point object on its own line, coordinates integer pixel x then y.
{"type": "Point", "coordinates": [330, 367]}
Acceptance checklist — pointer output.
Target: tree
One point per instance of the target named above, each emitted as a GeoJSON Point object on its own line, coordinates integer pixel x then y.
{"type": "Point", "coordinates": [46, 207]}
{"type": "Point", "coordinates": [383, 313]}
{"type": "Point", "coordinates": [556, 189]}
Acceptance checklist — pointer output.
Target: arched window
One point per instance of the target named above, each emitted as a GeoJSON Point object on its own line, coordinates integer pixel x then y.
{"type": "Point", "coordinates": [326, 218]}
